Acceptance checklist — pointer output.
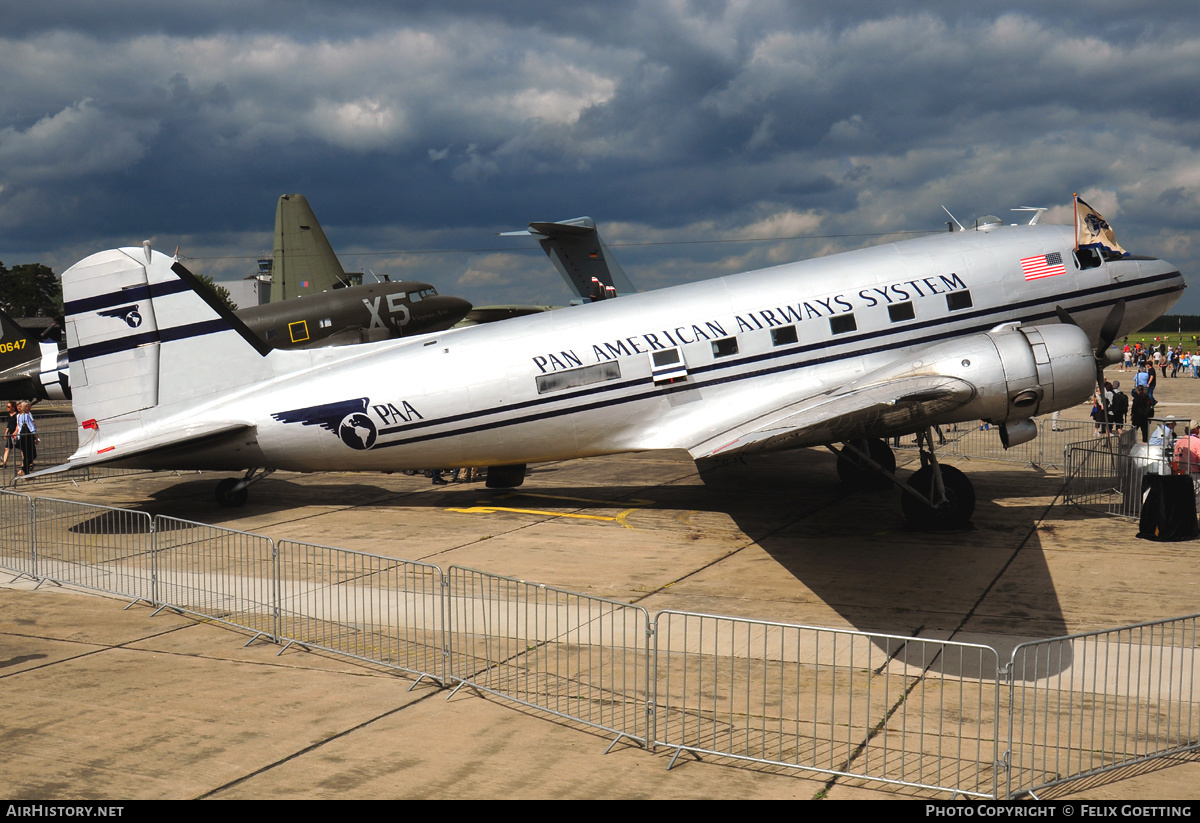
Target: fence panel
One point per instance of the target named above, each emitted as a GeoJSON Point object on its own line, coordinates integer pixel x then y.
{"type": "Point", "coordinates": [972, 442]}
{"type": "Point", "coordinates": [1104, 476]}
{"type": "Point", "coordinates": [573, 655]}
{"type": "Point", "coordinates": [95, 547]}
{"type": "Point", "coordinates": [1088, 703]}
{"type": "Point", "coordinates": [900, 710]}
{"type": "Point", "coordinates": [221, 574]}
{"type": "Point", "coordinates": [362, 605]}
{"type": "Point", "coordinates": [16, 532]}
{"type": "Point", "coordinates": [53, 448]}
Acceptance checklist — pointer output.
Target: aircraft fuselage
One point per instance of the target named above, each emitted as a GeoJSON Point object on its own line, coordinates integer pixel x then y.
{"type": "Point", "coordinates": [601, 378]}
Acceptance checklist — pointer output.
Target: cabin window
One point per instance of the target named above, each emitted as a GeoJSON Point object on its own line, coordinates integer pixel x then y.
{"type": "Point", "coordinates": [957, 300]}
{"type": "Point", "coordinates": [298, 331]}
{"type": "Point", "coordinates": [725, 347]}
{"type": "Point", "coordinates": [326, 322]}
{"type": "Point", "coordinates": [783, 336]}
{"type": "Point", "coordinates": [1087, 258]}
{"type": "Point", "coordinates": [271, 334]}
{"type": "Point", "coordinates": [843, 323]}
{"type": "Point", "coordinates": [667, 366]}
{"type": "Point", "coordinates": [574, 378]}
{"type": "Point", "coordinates": [901, 311]}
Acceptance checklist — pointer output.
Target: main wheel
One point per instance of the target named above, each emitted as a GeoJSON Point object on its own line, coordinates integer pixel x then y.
{"type": "Point", "coordinates": [856, 473]}
{"type": "Point", "coordinates": [955, 513]}
{"type": "Point", "coordinates": [227, 497]}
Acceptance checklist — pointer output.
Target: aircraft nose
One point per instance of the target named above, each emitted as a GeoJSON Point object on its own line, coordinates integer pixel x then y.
{"type": "Point", "coordinates": [448, 310]}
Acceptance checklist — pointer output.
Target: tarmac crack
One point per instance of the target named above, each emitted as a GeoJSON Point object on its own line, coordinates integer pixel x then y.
{"type": "Point", "coordinates": [103, 648]}
{"type": "Point", "coordinates": [314, 747]}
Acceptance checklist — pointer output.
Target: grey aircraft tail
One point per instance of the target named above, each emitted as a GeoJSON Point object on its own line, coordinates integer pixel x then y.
{"type": "Point", "coordinates": [581, 257]}
{"type": "Point", "coordinates": [304, 262]}
{"type": "Point", "coordinates": [17, 346]}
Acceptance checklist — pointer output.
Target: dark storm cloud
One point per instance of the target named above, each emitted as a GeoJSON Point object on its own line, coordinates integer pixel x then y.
{"type": "Point", "coordinates": [428, 125]}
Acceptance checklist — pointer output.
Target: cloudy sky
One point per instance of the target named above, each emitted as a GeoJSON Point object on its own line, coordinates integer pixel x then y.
{"type": "Point", "coordinates": [417, 130]}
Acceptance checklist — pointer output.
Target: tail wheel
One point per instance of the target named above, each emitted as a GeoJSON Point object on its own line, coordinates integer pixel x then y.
{"type": "Point", "coordinates": [954, 513]}
{"type": "Point", "coordinates": [857, 473]}
{"type": "Point", "coordinates": [228, 497]}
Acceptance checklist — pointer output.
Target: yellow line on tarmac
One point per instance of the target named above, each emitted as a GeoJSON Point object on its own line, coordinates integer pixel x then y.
{"type": "Point", "coordinates": [494, 509]}
{"type": "Point", "coordinates": [633, 502]}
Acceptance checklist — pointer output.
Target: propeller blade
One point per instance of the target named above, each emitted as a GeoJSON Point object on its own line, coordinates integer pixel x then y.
{"type": "Point", "coordinates": [1063, 317]}
{"type": "Point", "coordinates": [1112, 325]}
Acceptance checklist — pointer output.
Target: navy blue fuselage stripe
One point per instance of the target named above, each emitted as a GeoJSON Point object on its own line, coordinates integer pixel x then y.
{"type": "Point", "coordinates": [116, 298]}
{"type": "Point", "coordinates": [132, 341]}
{"type": "Point", "coordinates": [782, 352]}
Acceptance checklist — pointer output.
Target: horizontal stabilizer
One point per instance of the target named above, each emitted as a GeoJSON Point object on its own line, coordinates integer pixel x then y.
{"type": "Point", "coordinates": [97, 452]}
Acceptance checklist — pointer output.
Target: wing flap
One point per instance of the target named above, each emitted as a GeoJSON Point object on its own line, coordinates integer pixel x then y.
{"type": "Point", "coordinates": [843, 414]}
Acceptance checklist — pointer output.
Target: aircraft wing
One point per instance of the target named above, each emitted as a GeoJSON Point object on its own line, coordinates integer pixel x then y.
{"type": "Point", "coordinates": [843, 414]}
{"type": "Point", "coordinates": [191, 437]}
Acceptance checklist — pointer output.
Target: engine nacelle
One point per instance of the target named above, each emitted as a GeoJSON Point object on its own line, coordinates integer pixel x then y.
{"type": "Point", "coordinates": [1017, 373]}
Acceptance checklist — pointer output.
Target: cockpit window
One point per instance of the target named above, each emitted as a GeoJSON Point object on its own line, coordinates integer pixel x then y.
{"type": "Point", "coordinates": [1087, 258]}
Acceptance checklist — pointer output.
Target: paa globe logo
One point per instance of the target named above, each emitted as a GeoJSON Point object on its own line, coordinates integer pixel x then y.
{"type": "Point", "coordinates": [357, 431]}
{"type": "Point", "coordinates": [130, 314]}
{"type": "Point", "coordinates": [346, 418]}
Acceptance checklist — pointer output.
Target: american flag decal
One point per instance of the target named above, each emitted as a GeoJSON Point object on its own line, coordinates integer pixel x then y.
{"type": "Point", "coordinates": [1043, 265]}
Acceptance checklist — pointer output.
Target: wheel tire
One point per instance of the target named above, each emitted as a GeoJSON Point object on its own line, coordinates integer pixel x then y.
{"type": "Point", "coordinates": [853, 472]}
{"type": "Point", "coordinates": [227, 497]}
{"type": "Point", "coordinates": [959, 506]}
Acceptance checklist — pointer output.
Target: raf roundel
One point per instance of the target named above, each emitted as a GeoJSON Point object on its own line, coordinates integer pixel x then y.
{"type": "Point", "coordinates": [357, 431]}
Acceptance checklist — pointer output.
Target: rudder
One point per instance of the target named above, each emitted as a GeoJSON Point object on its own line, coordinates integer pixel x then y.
{"type": "Point", "coordinates": [140, 336]}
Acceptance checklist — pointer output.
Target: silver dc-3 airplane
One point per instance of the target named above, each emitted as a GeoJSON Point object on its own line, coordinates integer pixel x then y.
{"type": "Point", "coordinates": [999, 323]}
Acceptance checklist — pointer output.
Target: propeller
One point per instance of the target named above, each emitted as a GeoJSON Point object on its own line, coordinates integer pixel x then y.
{"type": "Point", "coordinates": [1108, 333]}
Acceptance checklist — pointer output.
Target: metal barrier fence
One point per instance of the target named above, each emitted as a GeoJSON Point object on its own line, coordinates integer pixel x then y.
{"type": "Point", "coordinates": [895, 709]}
{"type": "Point", "coordinates": [572, 655]}
{"type": "Point", "coordinates": [95, 547]}
{"type": "Point", "coordinates": [1101, 478]}
{"type": "Point", "coordinates": [220, 574]}
{"type": "Point", "coordinates": [53, 448]}
{"type": "Point", "coordinates": [901, 710]}
{"type": "Point", "coordinates": [1126, 696]}
{"type": "Point", "coordinates": [1045, 450]}
{"type": "Point", "coordinates": [16, 533]}
{"type": "Point", "coordinates": [1106, 476]}
{"type": "Point", "coordinates": [362, 605]}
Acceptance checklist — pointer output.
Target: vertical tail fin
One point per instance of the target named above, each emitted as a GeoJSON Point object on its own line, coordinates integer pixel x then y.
{"type": "Point", "coordinates": [581, 257]}
{"type": "Point", "coordinates": [143, 332]}
{"type": "Point", "coordinates": [17, 346]}
{"type": "Point", "coordinates": [303, 261]}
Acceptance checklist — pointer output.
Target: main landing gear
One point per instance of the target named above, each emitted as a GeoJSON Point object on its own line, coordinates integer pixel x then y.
{"type": "Point", "coordinates": [231, 492]}
{"type": "Point", "coordinates": [935, 497]}
{"type": "Point", "coordinates": [867, 464]}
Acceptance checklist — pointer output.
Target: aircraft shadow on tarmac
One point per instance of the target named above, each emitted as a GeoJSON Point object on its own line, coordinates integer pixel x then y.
{"type": "Point", "coordinates": [851, 549]}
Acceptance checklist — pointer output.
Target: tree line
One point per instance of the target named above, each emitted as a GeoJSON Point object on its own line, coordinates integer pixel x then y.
{"type": "Point", "coordinates": [34, 290]}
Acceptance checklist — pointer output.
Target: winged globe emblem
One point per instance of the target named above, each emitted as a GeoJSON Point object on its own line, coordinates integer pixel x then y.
{"type": "Point", "coordinates": [347, 419]}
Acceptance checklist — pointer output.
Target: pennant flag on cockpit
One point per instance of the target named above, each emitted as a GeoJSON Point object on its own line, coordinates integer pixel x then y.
{"type": "Point", "coordinates": [1092, 230]}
